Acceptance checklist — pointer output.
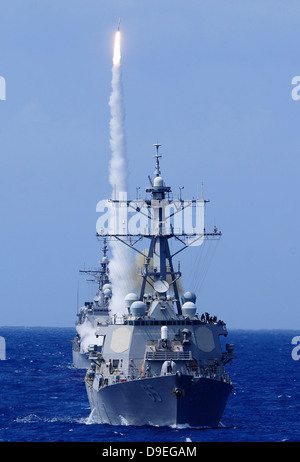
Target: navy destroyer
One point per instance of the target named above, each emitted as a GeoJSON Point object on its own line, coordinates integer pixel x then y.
{"type": "Point", "coordinates": [2, 349]}
{"type": "Point", "coordinates": [92, 312]}
{"type": "Point", "coordinates": [160, 363]}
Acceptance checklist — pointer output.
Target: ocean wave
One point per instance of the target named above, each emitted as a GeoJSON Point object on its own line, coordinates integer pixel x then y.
{"type": "Point", "coordinates": [33, 418]}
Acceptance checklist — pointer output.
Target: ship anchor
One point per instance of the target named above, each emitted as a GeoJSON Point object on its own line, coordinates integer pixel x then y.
{"type": "Point", "coordinates": [178, 392]}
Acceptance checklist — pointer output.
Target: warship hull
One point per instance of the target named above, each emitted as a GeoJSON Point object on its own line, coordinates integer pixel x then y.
{"type": "Point", "coordinates": [2, 349]}
{"type": "Point", "coordinates": [80, 361]}
{"type": "Point", "coordinates": [171, 400]}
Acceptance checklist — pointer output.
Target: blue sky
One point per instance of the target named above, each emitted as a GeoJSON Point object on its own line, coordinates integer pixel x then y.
{"type": "Point", "coordinates": [211, 80]}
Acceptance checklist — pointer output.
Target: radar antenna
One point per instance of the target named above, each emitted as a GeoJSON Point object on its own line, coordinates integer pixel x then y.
{"type": "Point", "coordinates": [157, 169]}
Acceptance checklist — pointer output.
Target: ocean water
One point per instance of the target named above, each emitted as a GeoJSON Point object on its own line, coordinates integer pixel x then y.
{"type": "Point", "coordinates": [43, 398]}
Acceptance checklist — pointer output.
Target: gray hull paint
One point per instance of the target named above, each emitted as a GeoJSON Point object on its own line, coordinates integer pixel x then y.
{"type": "Point", "coordinates": [198, 402]}
{"type": "Point", "coordinates": [80, 361]}
{"type": "Point", "coordinates": [2, 349]}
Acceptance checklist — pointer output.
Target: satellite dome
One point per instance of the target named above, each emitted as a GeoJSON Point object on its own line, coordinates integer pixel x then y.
{"type": "Point", "coordinates": [107, 293]}
{"type": "Point", "coordinates": [130, 298]}
{"type": "Point", "coordinates": [189, 309]}
{"type": "Point", "coordinates": [189, 297]}
{"type": "Point", "coordinates": [138, 308]}
{"type": "Point", "coordinates": [158, 181]}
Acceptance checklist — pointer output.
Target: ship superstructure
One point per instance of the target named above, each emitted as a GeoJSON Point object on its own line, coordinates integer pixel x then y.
{"type": "Point", "coordinates": [160, 363]}
{"type": "Point", "coordinates": [2, 349]}
{"type": "Point", "coordinates": [93, 312]}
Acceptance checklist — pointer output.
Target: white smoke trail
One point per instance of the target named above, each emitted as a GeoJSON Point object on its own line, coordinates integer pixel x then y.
{"type": "Point", "coordinates": [87, 335]}
{"type": "Point", "coordinates": [121, 262]}
{"type": "Point", "coordinates": [118, 166]}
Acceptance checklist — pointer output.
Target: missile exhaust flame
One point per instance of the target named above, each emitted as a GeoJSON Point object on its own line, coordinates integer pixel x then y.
{"type": "Point", "coordinates": [117, 49]}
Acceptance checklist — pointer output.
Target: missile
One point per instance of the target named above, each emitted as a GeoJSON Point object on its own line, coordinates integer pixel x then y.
{"type": "Point", "coordinates": [119, 24]}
